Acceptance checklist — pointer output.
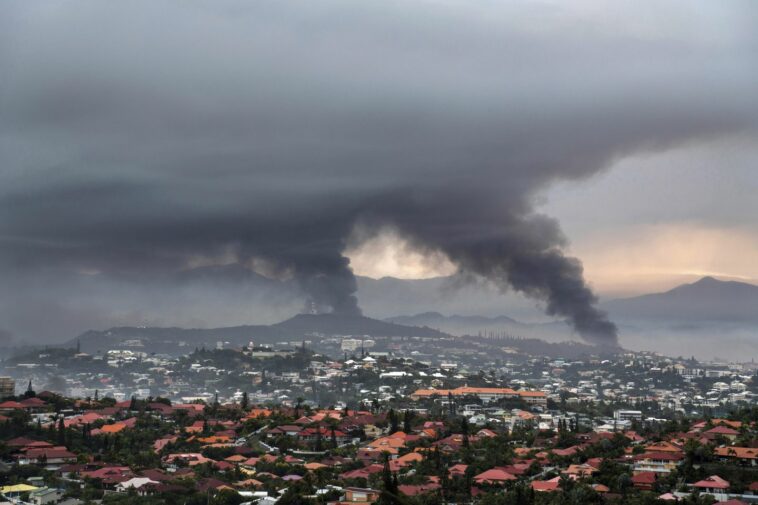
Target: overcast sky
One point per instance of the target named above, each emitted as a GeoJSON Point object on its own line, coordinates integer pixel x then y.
{"type": "Point", "coordinates": [503, 140]}
{"type": "Point", "coordinates": [653, 222]}
{"type": "Point", "coordinates": [646, 224]}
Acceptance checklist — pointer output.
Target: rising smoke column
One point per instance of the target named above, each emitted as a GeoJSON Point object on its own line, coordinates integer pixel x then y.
{"type": "Point", "coordinates": [496, 236]}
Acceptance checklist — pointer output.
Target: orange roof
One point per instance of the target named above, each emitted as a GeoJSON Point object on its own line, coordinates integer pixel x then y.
{"type": "Point", "coordinates": [314, 466]}
{"type": "Point", "coordinates": [523, 414]}
{"type": "Point", "coordinates": [716, 422]}
{"type": "Point", "coordinates": [431, 392]}
{"type": "Point", "coordinates": [495, 391]}
{"type": "Point", "coordinates": [410, 457]}
{"type": "Point", "coordinates": [531, 394]}
{"type": "Point", "coordinates": [737, 452]}
{"type": "Point", "coordinates": [387, 442]}
{"type": "Point", "coordinates": [429, 432]}
{"type": "Point", "coordinates": [600, 488]}
{"type": "Point", "coordinates": [465, 390]}
{"type": "Point", "coordinates": [249, 483]}
{"type": "Point", "coordinates": [662, 447]}
{"type": "Point", "coordinates": [112, 428]}
{"type": "Point", "coordinates": [215, 439]}
{"type": "Point", "coordinates": [258, 413]}
{"type": "Point", "coordinates": [583, 469]}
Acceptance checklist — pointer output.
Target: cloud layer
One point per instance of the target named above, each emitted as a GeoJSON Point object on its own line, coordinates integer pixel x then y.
{"type": "Point", "coordinates": [137, 137]}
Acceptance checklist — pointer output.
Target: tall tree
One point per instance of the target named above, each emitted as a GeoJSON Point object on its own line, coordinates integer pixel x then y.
{"type": "Point", "coordinates": [393, 421]}
{"type": "Point", "coordinates": [388, 495]}
{"type": "Point", "coordinates": [61, 432]}
{"type": "Point", "coordinates": [408, 421]}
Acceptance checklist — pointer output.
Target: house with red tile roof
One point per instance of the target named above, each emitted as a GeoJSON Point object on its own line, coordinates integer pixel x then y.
{"type": "Point", "coordinates": [744, 455]}
{"type": "Point", "coordinates": [458, 470]}
{"type": "Point", "coordinates": [658, 462]}
{"type": "Point", "coordinates": [664, 446]}
{"type": "Point", "coordinates": [419, 489]}
{"type": "Point", "coordinates": [494, 476]}
{"type": "Point", "coordinates": [644, 480]}
{"type": "Point", "coordinates": [721, 431]}
{"type": "Point", "coordinates": [190, 458]}
{"type": "Point", "coordinates": [34, 405]}
{"type": "Point", "coordinates": [362, 473]}
{"type": "Point", "coordinates": [22, 443]}
{"type": "Point", "coordinates": [56, 455]}
{"type": "Point", "coordinates": [159, 444]}
{"type": "Point", "coordinates": [483, 393]}
{"type": "Point", "coordinates": [714, 485]}
{"type": "Point", "coordinates": [699, 426]}
{"type": "Point", "coordinates": [569, 451]}
{"type": "Point", "coordinates": [110, 475]}
{"type": "Point", "coordinates": [10, 405]}
{"type": "Point", "coordinates": [546, 486]}
{"type": "Point", "coordinates": [285, 429]}
{"type": "Point", "coordinates": [580, 471]}
{"type": "Point", "coordinates": [600, 488]}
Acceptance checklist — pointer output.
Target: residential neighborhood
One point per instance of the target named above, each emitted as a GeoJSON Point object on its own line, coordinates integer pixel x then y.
{"type": "Point", "coordinates": [399, 428]}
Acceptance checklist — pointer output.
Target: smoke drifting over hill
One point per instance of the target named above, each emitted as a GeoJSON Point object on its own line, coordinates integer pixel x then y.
{"type": "Point", "coordinates": [142, 137]}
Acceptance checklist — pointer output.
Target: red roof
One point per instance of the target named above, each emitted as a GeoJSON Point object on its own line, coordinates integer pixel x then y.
{"type": "Point", "coordinates": [409, 490]}
{"type": "Point", "coordinates": [546, 485]}
{"type": "Point", "coordinates": [723, 430]}
{"type": "Point", "coordinates": [113, 473]}
{"type": "Point", "coordinates": [33, 402]}
{"type": "Point", "coordinates": [660, 456]}
{"type": "Point", "coordinates": [712, 482]}
{"type": "Point", "coordinates": [223, 465]}
{"type": "Point", "coordinates": [459, 469]}
{"type": "Point", "coordinates": [20, 442]}
{"type": "Point", "coordinates": [50, 453]}
{"type": "Point", "coordinates": [644, 478]}
{"type": "Point", "coordinates": [494, 475]}
{"type": "Point", "coordinates": [362, 473]}
{"type": "Point", "coordinates": [570, 451]}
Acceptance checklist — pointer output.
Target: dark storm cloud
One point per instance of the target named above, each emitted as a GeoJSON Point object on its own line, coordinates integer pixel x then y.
{"type": "Point", "coordinates": [140, 136]}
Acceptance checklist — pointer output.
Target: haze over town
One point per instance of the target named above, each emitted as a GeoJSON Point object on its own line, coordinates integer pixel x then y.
{"type": "Point", "coordinates": [378, 252]}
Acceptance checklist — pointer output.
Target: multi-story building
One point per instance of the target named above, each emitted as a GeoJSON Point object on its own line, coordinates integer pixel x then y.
{"type": "Point", "coordinates": [7, 387]}
{"type": "Point", "coordinates": [355, 344]}
{"type": "Point", "coordinates": [627, 415]}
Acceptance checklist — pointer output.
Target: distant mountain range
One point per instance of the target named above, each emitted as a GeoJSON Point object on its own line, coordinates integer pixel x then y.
{"type": "Point", "coordinates": [331, 324]}
{"type": "Point", "coordinates": [713, 318]}
{"type": "Point", "coordinates": [710, 314]}
{"type": "Point", "coordinates": [463, 325]}
{"type": "Point", "coordinates": [172, 339]}
{"type": "Point", "coordinates": [707, 300]}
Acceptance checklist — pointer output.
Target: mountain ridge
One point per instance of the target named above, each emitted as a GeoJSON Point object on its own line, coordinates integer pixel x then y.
{"type": "Point", "coordinates": [166, 339]}
{"type": "Point", "coordinates": [707, 299]}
